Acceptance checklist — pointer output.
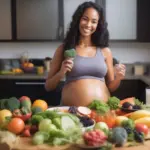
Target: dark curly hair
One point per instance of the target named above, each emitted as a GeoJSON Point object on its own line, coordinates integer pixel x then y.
{"type": "Point", "coordinates": [100, 37]}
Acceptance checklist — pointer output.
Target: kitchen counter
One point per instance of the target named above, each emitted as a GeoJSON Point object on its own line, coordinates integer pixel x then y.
{"type": "Point", "coordinates": [144, 78]}
{"type": "Point", "coordinates": [25, 144]}
{"type": "Point", "coordinates": [24, 76]}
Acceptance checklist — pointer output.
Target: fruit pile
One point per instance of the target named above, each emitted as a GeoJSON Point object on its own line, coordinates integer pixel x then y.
{"type": "Point", "coordinates": [15, 114]}
{"type": "Point", "coordinates": [104, 124]}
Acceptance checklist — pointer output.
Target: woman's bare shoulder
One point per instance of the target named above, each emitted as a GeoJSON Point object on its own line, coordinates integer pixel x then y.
{"type": "Point", "coordinates": [106, 52]}
{"type": "Point", "coordinates": [58, 56]}
{"type": "Point", "coordinates": [56, 61]}
{"type": "Point", "coordinates": [59, 50]}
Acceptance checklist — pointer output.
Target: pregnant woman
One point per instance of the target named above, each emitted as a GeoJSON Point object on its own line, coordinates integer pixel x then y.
{"type": "Point", "coordinates": [91, 74]}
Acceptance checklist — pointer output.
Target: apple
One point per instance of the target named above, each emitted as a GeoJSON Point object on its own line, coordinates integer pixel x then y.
{"type": "Point", "coordinates": [22, 98]}
{"type": "Point", "coordinates": [142, 128]}
{"type": "Point", "coordinates": [102, 126]}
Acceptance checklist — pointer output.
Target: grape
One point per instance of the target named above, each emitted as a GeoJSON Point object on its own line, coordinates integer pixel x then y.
{"type": "Point", "coordinates": [136, 107]}
{"type": "Point", "coordinates": [86, 121]}
{"type": "Point", "coordinates": [139, 137]}
{"type": "Point", "coordinates": [126, 105]}
{"type": "Point", "coordinates": [128, 130]}
{"type": "Point", "coordinates": [72, 109]}
{"type": "Point", "coordinates": [46, 125]}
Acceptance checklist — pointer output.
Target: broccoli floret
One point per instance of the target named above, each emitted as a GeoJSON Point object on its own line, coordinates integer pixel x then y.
{"type": "Point", "coordinates": [3, 103]}
{"type": "Point", "coordinates": [25, 110]}
{"type": "Point", "coordinates": [113, 103]}
{"type": "Point", "coordinates": [70, 53]}
{"type": "Point", "coordinates": [35, 120]}
{"type": "Point", "coordinates": [128, 123]}
{"type": "Point", "coordinates": [12, 104]}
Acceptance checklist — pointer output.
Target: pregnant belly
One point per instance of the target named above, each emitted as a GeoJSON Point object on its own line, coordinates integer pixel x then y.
{"type": "Point", "coordinates": [83, 92]}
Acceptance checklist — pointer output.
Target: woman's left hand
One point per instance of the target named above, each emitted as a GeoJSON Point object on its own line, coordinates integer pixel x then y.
{"type": "Point", "coordinates": [119, 71]}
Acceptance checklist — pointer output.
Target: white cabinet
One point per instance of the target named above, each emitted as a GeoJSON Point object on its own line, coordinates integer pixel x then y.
{"type": "Point", "coordinates": [37, 19]}
{"type": "Point", "coordinates": [5, 20]}
{"type": "Point", "coordinates": [121, 16]}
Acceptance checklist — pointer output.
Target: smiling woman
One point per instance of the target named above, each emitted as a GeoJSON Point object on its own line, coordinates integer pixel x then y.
{"type": "Point", "coordinates": [91, 74]}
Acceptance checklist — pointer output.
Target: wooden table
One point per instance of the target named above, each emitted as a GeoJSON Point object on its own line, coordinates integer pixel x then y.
{"type": "Point", "coordinates": [25, 144]}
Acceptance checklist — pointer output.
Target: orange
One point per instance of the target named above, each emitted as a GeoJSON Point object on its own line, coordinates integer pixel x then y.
{"type": "Point", "coordinates": [16, 125]}
{"type": "Point", "coordinates": [40, 103]}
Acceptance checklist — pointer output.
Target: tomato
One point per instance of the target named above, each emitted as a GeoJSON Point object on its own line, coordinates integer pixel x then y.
{"type": "Point", "coordinates": [142, 128]}
{"type": "Point", "coordinates": [110, 119]}
{"type": "Point", "coordinates": [93, 114]}
{"type": "Point", "coordinates": [16, 125]}
{"type": "Point", "coordinates": [99, 118]}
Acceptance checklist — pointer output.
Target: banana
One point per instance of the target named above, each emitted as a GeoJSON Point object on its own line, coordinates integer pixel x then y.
{"type": "Point", "coordinates": [144, 120]}
{"type": "Point", "coordinates": [139, 114]}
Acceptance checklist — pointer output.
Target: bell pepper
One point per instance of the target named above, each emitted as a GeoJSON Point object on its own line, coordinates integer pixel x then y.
{"type": "Point", "coordinates": [18, 113]}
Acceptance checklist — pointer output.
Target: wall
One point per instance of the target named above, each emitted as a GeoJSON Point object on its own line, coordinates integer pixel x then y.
{"type": "Point", "coordinates": [125, 52]}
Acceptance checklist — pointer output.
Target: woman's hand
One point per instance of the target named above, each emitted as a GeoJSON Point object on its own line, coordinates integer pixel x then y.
{"type": "Point", "coordinates": [66, 66]}
{"type": "Point", "coordinates": [119, 70]}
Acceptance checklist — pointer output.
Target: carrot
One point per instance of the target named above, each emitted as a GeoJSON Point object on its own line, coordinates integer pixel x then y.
{"type": "Point", "coordinates": [127, 114]}
{"type": "Point", "coordinates": [129, 99]}
{"type": "Point", "coordinates": [119, 112]}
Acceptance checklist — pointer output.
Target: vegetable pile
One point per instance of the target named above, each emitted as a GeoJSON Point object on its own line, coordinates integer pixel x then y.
{"type": "Point", "coordinates": [104, 125]}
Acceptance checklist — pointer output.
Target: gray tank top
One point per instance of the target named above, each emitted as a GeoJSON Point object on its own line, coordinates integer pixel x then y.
{"type": "Point", "coordinates": [88, 67]}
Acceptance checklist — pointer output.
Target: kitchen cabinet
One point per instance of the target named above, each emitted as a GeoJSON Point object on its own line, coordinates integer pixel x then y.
{"type": "Point", "coordinates": [39, 20]}
{"type": "Point", "coordinates": [143, 20]}
{"type": "Point", "coordinates": [121, 16]}
{"type": "Point", "coordinates": [131, 88]}
{"type": "Point", "coordinates": [32, 88]}
{"type": "Point", "coordinates": [5, 20]}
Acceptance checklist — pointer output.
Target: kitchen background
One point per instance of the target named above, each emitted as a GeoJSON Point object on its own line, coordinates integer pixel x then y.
{"type": "Point", "coordinates": [126, 52]}
{"type": "Point", "coordinates": [37, 27]}
{"type": "Point", "coordinates": [42, 23]}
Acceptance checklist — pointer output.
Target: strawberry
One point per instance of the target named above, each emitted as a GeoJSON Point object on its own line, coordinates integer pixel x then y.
{"type": "Point", "coordinates": [26, 133]}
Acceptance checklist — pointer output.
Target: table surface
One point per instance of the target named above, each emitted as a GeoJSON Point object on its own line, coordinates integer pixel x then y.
{"type": "Point", "coordinates": [25, 144]}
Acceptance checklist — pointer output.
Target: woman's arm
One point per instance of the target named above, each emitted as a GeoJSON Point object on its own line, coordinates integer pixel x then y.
{"type": "Point", "coordinates": [58, 69]}
{"type": "Point", "coordinates": [54, 75]}
{"type": "Point", "coordinates": [113, 79]}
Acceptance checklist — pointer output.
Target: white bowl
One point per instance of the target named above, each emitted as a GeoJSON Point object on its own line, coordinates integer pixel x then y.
{"type": "Point", "coordinates": [88, 128]}
{"type": "Point", "coordinates": [60, 108]}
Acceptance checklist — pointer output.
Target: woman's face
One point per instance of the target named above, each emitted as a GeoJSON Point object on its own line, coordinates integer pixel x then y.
{"type": "Point", "coordinates": [88, 22]}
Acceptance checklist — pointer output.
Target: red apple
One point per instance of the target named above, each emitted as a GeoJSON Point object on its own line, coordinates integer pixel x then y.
{"type": "Point", "coordinates": [22, 98]}
{"type": "Point", "coordinates": [142, 128]}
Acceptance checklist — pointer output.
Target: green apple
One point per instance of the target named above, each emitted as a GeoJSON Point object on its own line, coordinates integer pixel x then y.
{"type": "Point", "coordinates": [44, 125]}
{"type": "Point", "coordinates": [102, 126]}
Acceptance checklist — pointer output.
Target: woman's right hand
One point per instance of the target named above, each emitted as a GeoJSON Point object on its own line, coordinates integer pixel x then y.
{"type": "Point", "coordinates": [66, 66]}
